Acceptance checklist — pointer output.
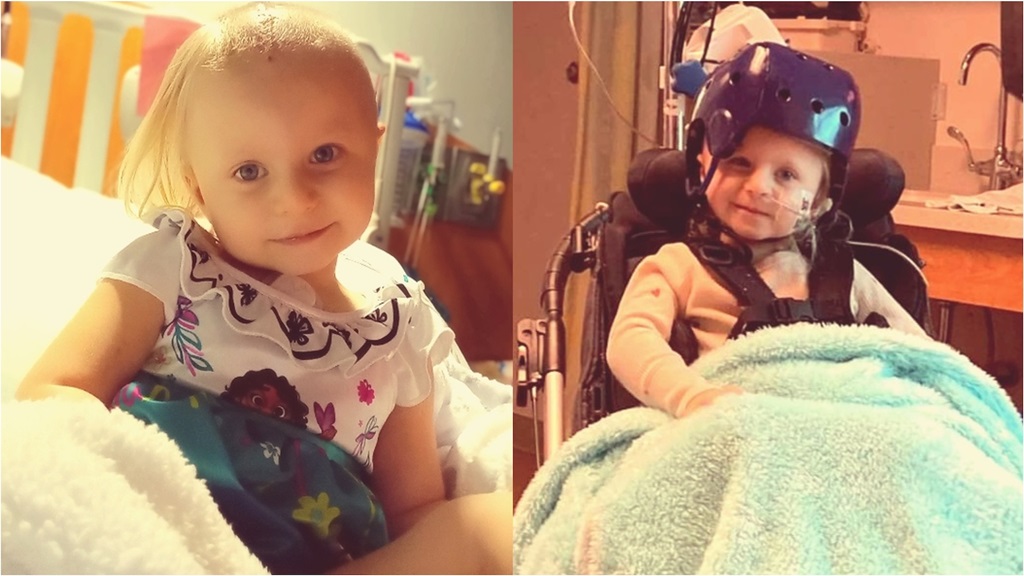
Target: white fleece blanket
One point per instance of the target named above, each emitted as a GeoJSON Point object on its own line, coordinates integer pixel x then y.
{"type": "Point", "coordinates": [94, 492]}
{"type": "Point", "coordinates": [86, 491]}
{"type": "Point", "coordinates": [854, 450]}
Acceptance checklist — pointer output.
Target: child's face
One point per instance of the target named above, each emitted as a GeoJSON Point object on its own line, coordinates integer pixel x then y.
{"type": "Point", "coordinates": [283, 152]}
{"type": "Point", "coordinates": [771, 181]}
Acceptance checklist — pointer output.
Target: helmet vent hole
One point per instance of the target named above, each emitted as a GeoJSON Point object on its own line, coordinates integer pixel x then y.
{"type": "Point", "coordinates": [844, 118]}
{"type": "Point", "coordinates": [734, 78]}
{"type": "Point", "coordinates": [784, 95]}
{"type": "Point", "coordinates": [829, 66]}
{"type": "Point", "coordinates": [802, 56]}
{"type": "Point", "coordinates": [817, 106]}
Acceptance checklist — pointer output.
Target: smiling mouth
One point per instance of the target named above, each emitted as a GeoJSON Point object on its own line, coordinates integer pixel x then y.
{"type": "Point", "coordinates": [750, 210]}
{"type": "Point", "coordinates": [303, 238]}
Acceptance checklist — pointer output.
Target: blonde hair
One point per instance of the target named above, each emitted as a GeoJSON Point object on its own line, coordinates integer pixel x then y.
{"type": "Point", "coordinates": [155, 172]}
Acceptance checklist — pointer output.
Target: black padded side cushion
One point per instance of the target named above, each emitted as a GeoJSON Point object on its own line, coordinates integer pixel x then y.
{"type": "Point", "coordinates": [656, 183]}
{"type": "Point", "coordinates": [874, 184]}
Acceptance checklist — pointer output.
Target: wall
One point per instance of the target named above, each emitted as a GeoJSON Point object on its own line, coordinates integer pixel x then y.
{"type": "Point", "coordinates": [945, 31]}
{"type": "Point", "coordinates": [545, 109]}
{"type": "Point", "coordinates": [545, 133]}
{"type": "Point", "coordinates": [442, 33]}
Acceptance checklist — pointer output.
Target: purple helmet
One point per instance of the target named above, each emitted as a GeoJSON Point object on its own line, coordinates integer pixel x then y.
{"type": "Point", "coordinates": [774, 86]}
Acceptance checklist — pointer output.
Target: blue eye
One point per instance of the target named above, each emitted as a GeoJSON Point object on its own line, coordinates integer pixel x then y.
{"type": "Point", "coordinates": [325, 154]}
{"type": "Point", "coordinates": [787, 175]}
{"type": "Point", "coordinates": [249, 172]}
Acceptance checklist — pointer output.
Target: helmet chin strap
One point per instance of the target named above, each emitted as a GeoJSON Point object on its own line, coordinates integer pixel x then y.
{"type": "Point", "coordinates": [706, 180]}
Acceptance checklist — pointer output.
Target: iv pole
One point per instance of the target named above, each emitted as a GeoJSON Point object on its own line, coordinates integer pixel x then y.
{"type": "Point", "coordinates": [444, 113]}
{"type": "Point", "coordinates": [399, 75]}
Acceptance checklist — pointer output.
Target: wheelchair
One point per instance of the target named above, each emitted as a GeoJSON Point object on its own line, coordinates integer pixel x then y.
{"type": "Point", "coordinates": [609, 242]}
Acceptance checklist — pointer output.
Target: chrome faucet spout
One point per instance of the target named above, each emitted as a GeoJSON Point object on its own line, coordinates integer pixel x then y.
{"type": "Point", "coordinates": [1002, 168]}
{"type": "Point", "coordinates": [965, 65]}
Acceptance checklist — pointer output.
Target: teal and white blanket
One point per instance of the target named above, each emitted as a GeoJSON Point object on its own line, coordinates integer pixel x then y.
{"type": "Point", "coordinates": [855, 450]}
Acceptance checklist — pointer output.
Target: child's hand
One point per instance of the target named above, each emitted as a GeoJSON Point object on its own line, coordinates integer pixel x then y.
{"type": "Point", "coordinates": [707, 397]}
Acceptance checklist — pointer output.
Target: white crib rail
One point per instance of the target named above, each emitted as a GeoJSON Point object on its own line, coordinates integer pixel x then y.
{"type": "Point", "coordinates": [110, 24]}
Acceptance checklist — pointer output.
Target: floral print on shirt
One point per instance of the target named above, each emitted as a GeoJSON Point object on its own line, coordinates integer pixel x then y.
{"type": "Point", "coordinates": [187, 346]}
{"type": "Point", "coordinates": [365, 392]}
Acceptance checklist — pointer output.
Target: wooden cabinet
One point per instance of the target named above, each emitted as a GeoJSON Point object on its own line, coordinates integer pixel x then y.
{"type": "Point", "coordinates": [469, 272]}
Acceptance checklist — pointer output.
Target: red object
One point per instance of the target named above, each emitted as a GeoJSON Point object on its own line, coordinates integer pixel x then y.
{"type": "Point", "coordinates": [405, 58]}
{"type": "Point", "coordinates": [161, 37]}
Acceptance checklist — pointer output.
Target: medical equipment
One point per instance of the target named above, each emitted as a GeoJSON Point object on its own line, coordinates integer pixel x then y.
{"type": "Point", "coordinates": [415, 135]}
{"type": "Point", "coordinates": [473, 189]}
{"type": "Point", "coordinates": [696, 38]}
{"type": "Point", "coordinates": [490, 182]}
{"type": "Point", "coordinates": [399, 74]}
{"type": "Point", "coordinates": [443, 113]}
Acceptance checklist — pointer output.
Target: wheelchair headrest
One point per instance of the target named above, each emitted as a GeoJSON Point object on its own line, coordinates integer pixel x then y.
{"type": "Point", "coordinates": [874, 184]}
{"type": "Point", "coordinates": [656, 183]}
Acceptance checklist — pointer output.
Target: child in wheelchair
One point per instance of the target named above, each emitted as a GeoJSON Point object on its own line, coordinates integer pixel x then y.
{"type": "Point", "coordinates": [852, 436]}
{"type": "Point", "coordinates": [768, 150]}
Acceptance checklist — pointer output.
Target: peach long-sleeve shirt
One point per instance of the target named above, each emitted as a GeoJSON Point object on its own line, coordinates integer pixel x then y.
{"type": "Point", "coordinates": [673, 283]}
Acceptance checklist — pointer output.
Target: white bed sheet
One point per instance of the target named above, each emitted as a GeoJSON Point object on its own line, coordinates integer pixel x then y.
{"type": "Point", "coordinates": [53, 243]}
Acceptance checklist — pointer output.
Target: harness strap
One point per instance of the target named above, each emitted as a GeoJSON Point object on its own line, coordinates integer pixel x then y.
{"type": "Point", "coordinates": [735, 271]}
{"type": "Point", "coordinates": [830, 282]}
{"type": "Point", "coordinates": [829, 285]}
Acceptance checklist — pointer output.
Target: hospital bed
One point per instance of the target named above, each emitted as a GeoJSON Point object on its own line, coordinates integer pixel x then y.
{"type": "Point", "coordinates": [54, 239]}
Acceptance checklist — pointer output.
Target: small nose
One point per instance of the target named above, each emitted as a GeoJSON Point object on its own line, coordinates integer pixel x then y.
{"type": "Point", "coordinates": [760, 182]}
{"type": "Point", "coordinates": [298, 194]}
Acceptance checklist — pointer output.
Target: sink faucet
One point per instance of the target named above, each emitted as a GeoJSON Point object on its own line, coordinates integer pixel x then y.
{"type": "Point", "coordinates": [1001, 170]}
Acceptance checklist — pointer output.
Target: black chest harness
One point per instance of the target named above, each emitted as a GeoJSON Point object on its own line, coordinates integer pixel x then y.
{"type": "Point", "coordinates": [829, 284]}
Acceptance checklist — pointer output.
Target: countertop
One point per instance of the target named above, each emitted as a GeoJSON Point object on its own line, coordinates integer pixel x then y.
{"type": "Point", "coordinates": [911, 211]}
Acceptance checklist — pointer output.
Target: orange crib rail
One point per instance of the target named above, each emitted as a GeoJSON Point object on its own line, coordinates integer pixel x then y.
{"type": "Point", "coordinates": [67, 95]}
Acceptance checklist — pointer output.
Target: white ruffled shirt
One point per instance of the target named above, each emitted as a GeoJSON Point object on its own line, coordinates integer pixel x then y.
{"type": "Point", "coordinates": [233, 336]}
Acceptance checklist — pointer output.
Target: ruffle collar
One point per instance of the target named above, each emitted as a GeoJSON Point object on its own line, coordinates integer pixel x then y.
{"type": "Point", "coordinates": [282, 312]}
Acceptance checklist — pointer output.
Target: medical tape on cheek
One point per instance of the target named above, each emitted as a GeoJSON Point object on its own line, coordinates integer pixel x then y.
{"type": "Point", "coordinates": [801, 207]}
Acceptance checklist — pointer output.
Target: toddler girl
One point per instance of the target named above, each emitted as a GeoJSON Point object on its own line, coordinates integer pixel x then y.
{"type": "Point", "coordinates": [305, 403]}
{"type": "Point", "coordinates": [772, 133]}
